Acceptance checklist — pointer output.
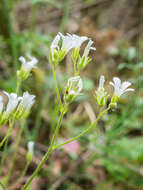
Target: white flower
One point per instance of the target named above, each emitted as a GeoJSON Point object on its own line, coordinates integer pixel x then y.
{"type": "Point", "coordinates": [66, 42]}
{"type": "Point", "coordinates": [55, 43]}
{"type": "Point", "coordinates": [30, 147]}
{"type": "Point", "coordinates": [27, 101]}
{"type": "Point", "coordinates": [1, 104]}
{"type": "Point", "coordinates": [12, 102]}
{"type": "Point", "coordinates": [101, 83]}
{"type": "Point", "coordinates": [77, 40]}
{"type": "Point", "coordinates": [120, 88]}
{"type": "Point", "coordinates": [88, 48]}
{"type": "Point", "coordinates": [72, 41]}
{"type": "Point", "coordinates": [27, 66]}
{"type": "Point", "coordinates": [75, 85]}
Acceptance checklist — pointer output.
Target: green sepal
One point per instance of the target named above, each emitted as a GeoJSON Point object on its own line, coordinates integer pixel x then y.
{"type": "Point", "coordinates": [29, 156]}
{"type": "Point", "coordinates": [101, 97]}
{"type": "Point", "coordinates": [75, 53]}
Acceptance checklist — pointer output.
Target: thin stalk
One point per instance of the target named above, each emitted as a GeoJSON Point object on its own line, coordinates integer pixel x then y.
{"type": "Point", "coordinates": [48, 152]}
{"type": "Point", "coordinates": [57, 89]}
{"type": "Point", "coordinates": [15, 153]}
{"type": "Point", "coordinates": [18, 85]}
{"type": "Point", "coordinates": [84, 132]}
{"type": "Point", "coordinates": [8, 133]}
{"type": "Point", "coordinates": [3, 156]}
{"type": "Point", "coordinates": [75, 69]}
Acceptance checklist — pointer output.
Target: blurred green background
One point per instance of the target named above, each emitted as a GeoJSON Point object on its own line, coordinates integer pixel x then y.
{"type": "Point", "coordinates": [112, 158]}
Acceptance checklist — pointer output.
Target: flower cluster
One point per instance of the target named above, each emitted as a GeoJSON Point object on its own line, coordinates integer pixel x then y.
{"type": "Point", "coordinates": [59, 50]}
{"type": "Point", "coordinates": [119, 89]}
{"type": "Point", "coordinates": [16, 108]}
{"type": "Point", "coordinates": [60, 46]}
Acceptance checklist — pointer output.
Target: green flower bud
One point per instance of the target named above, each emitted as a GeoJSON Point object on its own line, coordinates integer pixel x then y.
{"type": "Point", "coordinates": [100, 95]}
{"type": "Point", "coordinates": [73, 89]}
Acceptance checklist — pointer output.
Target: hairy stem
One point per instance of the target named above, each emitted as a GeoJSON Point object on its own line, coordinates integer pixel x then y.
{"type": "Point", "coordinates": [84, 132]}
{"type": "Point", "coordinates": [18, 85]}
{"type": "Point", "coordinates": [48, 152]}
{"type": "Point", "coordinates": [57, 89]}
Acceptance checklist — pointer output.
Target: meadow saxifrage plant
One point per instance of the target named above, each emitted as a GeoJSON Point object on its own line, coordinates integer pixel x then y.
{"type": "Point", "coordinates": [60, 46]}
{"type": "Point", "coordinates": [20, 108]}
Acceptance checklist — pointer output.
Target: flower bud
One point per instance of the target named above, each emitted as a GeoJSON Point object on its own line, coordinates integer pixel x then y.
{"type": "Point", "coordinates": [30, 152]}
{"type": "Point", "coordinates": [100, 95]}
{"type": "Point", "coordinates": [73, 89]}
{"type": "Point", "coordinates": [85, 60]}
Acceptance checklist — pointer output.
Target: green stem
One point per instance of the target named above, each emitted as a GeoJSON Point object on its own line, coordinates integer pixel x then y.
{"type": "Point", "coordinates": [3, 156]}
{"type": "Point", "coordinates": [16, 150]}
{"type": "Point", "coordinates": [3, 187]}
{"type": "Point", "coordinates": [57, 89]}
{"type": "Point", "coordinates": [75, 69]}
{"type": "Point", "coordinates": [8, 133]}
{"type": "Point", "coordinates": [18, 85]}
{"type": "Point", "coordinates": [48, 152]}
{"type": "Point", "coordinates": [84, 132]}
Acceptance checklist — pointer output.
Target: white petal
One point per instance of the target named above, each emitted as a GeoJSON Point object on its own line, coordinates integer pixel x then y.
{"type": "Point", "coordinates": [125, 85]}
{"type": "Point", "coordinates": [55, 42]}
{"type": "Point", "coordinates": [101, 82]}
{"type": "Point", "coordinates": [80, 85]}
{"type": "Point", "coordinates": [75, 84]}
{"type": "Point", "coordinates": [30, 146]}
{"type": "Point", "coordinates": [72, 41]}
{"type": "Point", "coordinates": [28, 65]}
{"type": "Point", "coordinates": [22, 59]}
{"type": "Point", "coordinates": [27, 100]}
{"type": "Point", "coordinates": [12, 103]}
{"type": "Point", "coordinates": [1, 104]}
{"type": "Point", "coordinates": [111, 83]}
{"type": "Point", "coordinates": [117, 81]}
{"type": "Point", "coordinates": [129, 89]}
